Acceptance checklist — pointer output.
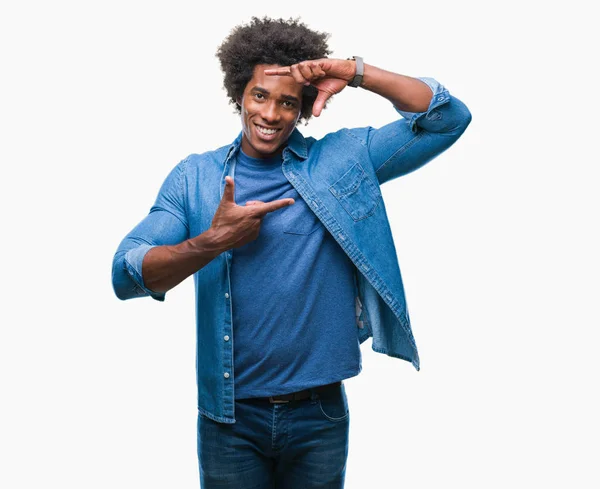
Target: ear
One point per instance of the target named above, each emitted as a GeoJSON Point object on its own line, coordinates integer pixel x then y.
{"type": "Point", "coordinates": [238, 101]}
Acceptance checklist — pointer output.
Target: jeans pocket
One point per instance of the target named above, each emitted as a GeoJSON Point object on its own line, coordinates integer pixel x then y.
{"type": "Point", "coordinates": [334, 404]}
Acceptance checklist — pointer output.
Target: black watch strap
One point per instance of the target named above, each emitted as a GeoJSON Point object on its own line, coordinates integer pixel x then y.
{"type": "Point", "coordinates": [360, 69]}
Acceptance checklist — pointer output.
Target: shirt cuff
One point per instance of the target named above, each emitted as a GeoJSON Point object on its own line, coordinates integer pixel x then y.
{"type": "Point", "coordinates": [133, 264]}
{"type": "Point", "coordinates": [440, 96]}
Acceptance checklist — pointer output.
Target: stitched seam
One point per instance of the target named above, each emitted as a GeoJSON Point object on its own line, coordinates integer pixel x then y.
{"type": "Point", "coordinates": [401, 150]}
{"type": "Point", "coordinates": [347, 132]}
{"type": "Point", "coordinates": [343, 197]}
{"type": "Point", "coordinates": [158, 208]}
{"type": "Point", "coordinates": [346, 176]}
{"type": "Point", "coordinates": [329, 417]}
{"type": "Point", "coordinates": [273, 429]}
{"type": "Point", "coordinates": [183, 193]}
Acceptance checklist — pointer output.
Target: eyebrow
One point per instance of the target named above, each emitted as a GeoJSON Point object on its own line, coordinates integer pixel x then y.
{"type": "Point", "coordinates": [264, 91]}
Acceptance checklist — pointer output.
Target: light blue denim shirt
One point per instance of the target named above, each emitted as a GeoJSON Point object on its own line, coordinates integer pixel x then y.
{"type": "Point", "coordinates": [339, 177]}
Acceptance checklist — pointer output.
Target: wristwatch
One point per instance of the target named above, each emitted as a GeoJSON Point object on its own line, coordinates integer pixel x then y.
{"type": "Point", "coordinates": [360, 69]}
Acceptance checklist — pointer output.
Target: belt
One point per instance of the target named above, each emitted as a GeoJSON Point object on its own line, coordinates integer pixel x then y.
{"type": "Point", "coordinates": [300, 395]}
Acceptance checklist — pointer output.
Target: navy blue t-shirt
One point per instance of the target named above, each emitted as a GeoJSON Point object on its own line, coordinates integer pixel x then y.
{"type": "Point", "coordinates": [292, 294]}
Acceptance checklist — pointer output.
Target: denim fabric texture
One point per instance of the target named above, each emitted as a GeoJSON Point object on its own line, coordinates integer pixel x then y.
{"type": "Point", "coordinates": [339, 177]}
{"type": "Point", "coordinates": [295, 445]}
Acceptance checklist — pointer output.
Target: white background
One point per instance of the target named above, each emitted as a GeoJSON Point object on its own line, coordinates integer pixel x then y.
{"type": "Point", "coordinates": [497, 241]}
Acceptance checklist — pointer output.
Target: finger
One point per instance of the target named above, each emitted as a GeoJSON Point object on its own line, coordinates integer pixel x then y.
{"type": "Point", "coordinates": [274, 205]}
{"type": "Point", "coordinates": [306, 71]}
{"type": "Point", "coordinates": [283, 71]}
{"type": "Point", "coordinates": [298, 76]}
{"type": "Point", "coordinates": [317, 70]}
{"type": "Point", "coordinates": [254, 202]}
{"type": "Point", "coordinates": [229, 192]}
{"type": "Point", "coordinates": [320, 103]}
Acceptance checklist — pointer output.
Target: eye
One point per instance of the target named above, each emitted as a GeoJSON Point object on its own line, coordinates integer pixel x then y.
{"type": "Point", "coordinates": [289, 104]}
{"type": "Point", "coordinates": [259, 95]}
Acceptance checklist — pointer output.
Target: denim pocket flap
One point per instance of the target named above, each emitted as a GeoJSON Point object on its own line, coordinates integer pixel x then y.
{"type": "Point", "coordinates": [356, 193]}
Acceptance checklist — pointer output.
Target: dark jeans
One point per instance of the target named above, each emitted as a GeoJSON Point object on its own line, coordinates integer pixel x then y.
{"type": "Point", "coordinates": [296, 445]}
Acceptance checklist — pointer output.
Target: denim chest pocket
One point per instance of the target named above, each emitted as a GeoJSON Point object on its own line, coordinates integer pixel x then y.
{"type": "Point", "coordinates": [356, 193]}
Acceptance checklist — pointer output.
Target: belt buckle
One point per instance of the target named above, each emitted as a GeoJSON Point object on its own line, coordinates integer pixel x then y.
{"type": "Point", "coordinates": [277, 401]}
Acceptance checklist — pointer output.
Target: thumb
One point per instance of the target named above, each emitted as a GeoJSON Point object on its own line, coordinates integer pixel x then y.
{"type": "Point", "coordinates": [320, 103]}
{"type": "Point", "coordinates": [229, 192]}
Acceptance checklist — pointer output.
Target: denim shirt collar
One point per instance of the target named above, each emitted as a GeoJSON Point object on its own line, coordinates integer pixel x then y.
{"type": "Point", "coordinates": [295, 143]}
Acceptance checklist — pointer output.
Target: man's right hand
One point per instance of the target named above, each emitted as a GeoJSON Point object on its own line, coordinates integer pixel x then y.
{"type": "Point", "coordinates": [234, 225]}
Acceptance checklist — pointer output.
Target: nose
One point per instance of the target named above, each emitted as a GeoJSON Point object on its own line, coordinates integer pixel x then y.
{"type": "Point", "coordinates": [270, 112]}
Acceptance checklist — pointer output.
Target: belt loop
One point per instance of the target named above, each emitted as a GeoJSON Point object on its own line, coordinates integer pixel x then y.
{"type": "Point", "coordinates": [313, 395]}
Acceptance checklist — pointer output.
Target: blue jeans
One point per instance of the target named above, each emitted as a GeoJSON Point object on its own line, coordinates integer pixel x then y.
{"type": "Point", "coordinates": [296, 445]}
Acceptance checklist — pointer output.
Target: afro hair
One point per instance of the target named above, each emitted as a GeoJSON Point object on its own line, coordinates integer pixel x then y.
{"type": "Point", "coordinates": [274, 42]}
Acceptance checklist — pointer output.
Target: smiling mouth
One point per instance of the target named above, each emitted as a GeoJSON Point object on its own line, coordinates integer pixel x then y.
{"type": "Point", "coordinates": [265, 132]}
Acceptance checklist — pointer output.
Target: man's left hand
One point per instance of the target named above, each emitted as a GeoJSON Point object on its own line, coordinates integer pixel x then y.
{"type": "Point", "coordinates": [329, 76]}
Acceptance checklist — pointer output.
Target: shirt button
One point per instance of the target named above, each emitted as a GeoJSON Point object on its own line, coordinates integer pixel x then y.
{"type": "Point", "coordinates": [226, 338]}
{"type": "Point", "coordinates": [226, 375]}
{"type": "Point", "coordinates": [226, 295]}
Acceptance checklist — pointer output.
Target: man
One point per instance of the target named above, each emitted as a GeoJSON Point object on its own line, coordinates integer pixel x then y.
{"type": "Point", "coordinates": [291, 251]}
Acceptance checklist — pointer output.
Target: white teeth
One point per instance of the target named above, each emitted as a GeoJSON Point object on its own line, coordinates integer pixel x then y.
{"type": "Point", "coordinates": [266, 131]}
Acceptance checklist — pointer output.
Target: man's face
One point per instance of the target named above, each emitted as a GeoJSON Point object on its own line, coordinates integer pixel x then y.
{"type": "Point", "coordinates": [270, 110]}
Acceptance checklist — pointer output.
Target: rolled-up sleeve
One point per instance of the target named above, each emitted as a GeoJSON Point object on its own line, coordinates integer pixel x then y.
{"type": "Point", "coordinates": [166, 224]}
{"type": "Point", "coordinates": [440, 96]}
{"type": "Point", "coordinates": [408, 143]}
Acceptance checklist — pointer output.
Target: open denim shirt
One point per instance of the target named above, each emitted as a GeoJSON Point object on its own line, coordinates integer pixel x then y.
{"type": "Point", "coordinates": [339, 177]}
